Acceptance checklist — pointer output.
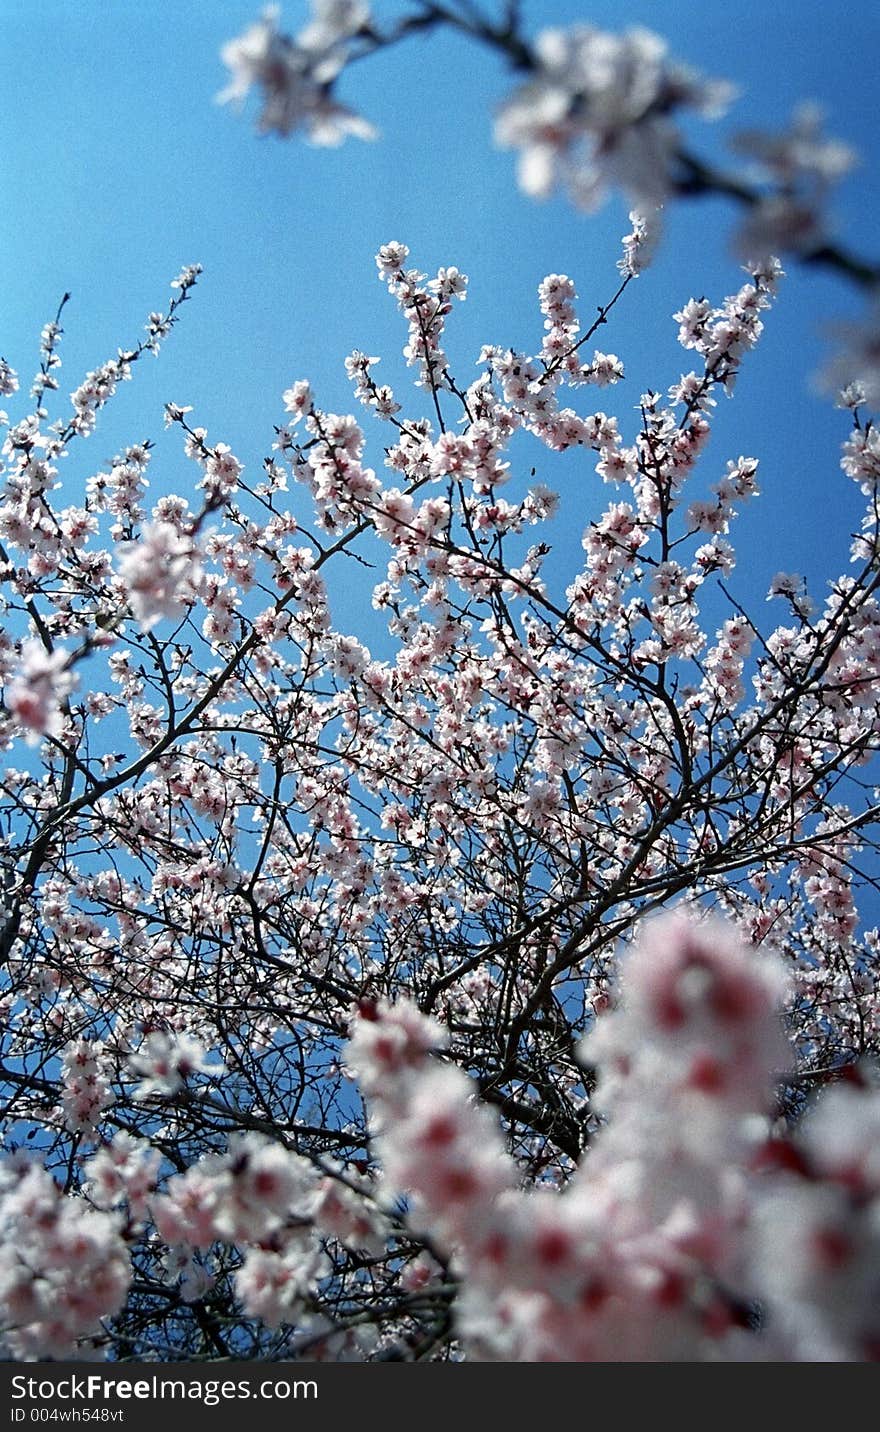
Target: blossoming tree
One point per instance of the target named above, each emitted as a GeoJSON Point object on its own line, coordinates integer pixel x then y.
{"type": "Point", "coordinates": [339, 1018]}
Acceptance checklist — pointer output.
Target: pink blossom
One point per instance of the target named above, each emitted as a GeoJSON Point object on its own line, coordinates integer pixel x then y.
{"type": "Point", "coordinates": [36, 694]}
{"type": "Point", "coordinates": [160, 573]}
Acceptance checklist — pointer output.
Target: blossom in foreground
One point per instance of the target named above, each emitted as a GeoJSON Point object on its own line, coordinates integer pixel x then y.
{"type": "Point", "coordinates": [856, 365]}
{"type": "Point", "coordinates": [598, 113]}
{"type": "Point", "coordinates": [160, 573]}
{"type": "Point", "coordinates": [164, 1062]}
{"type": "Point", "coordinates": [665, 1245]}
{"type": "Point", "coordinates": [35, 695]}
{"type": "Point", "coordinates": [63, 1266]}
{"type": "Point", "coordinates": [295, 76]}
{"type": "Point", "coordinates": [802, 165]}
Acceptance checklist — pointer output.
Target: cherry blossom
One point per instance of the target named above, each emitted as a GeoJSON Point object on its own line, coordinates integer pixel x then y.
{"type": "Point", "coordinates": [160, 573]}
{"type": "Point", "coordinates": [295, 75]}
{"type": "Point", "coordinates": [597, 112]}
{"type": "Point", "coordinates": [64, 1266]}
{"type": "Point", "coordinates": [164, 1063]}
{"type": "Point", "coordinates": [35, 696]}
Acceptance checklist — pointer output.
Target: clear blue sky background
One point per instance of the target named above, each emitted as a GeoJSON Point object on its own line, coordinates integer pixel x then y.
{"type": "Point", "coordinates": [118, 167]}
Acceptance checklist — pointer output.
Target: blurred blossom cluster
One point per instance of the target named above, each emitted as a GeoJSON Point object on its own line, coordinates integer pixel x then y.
{"type": "Point", "coordinates": [295, 76]}
{"type": "Point", "coordinates": [691, 1230]}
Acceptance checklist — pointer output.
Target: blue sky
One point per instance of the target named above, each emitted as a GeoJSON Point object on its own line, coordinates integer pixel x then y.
{"type": "Point", "coordinates": [119, 167]}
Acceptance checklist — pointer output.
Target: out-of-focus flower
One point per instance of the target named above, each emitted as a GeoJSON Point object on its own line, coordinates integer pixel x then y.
{"type": "Point", "coordinates": [160, 573]}
{"type": "Point", "coordinates": [164, 1062]}
{"type": "Point", "coordinates": [35, 695]}
{"type": "Point", "coordinates": [801, 164]}
{"type": "Point", "coordinates": [598, 113]}
{"type": "Point", "coordinates": [295, 76]}
{"type": "Point", "coordinates": [856, 365]}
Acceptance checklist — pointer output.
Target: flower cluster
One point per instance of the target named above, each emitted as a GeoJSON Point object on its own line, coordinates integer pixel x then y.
{"type": "Point", "coordinates": [160, 573]}
{"type": "Point", "coordinates": [426, 308]}
{"type": "Point", "coordinates": [675, 1238]}
{"type": "Point", "coordinates": [802, 165]}
{"type": "Point", "coordinates": [598, 112]}
{"type": "Point", "coordinates": [36, 694]}
{"type": "Point", "coordinates": [165, 1062]}
{"type": "Point", "coordinates": [272, 1203]}
{"type": "Point", "coordinates": [296, 76]}
{"type": "Point", "coordinates": [86, 1091]}
{"type": "Point", "coordinates": [63, 1266]}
